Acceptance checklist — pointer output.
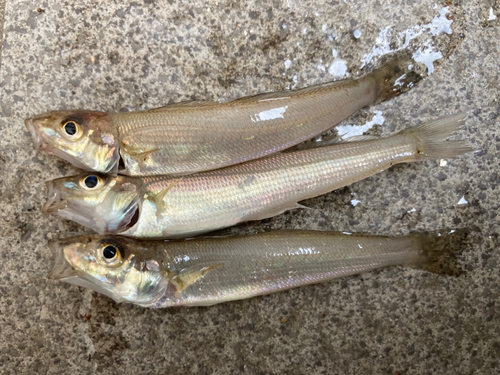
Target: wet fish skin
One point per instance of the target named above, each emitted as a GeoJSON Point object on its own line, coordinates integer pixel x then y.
{"type": "Point", "coordinates": [204, 272]}
{"type": "Point", "coordinates": [165, 207]}
{"type": "Point", "coordinates": [93, 147]}
{"type": "Point", "coordinates": [185, 138]}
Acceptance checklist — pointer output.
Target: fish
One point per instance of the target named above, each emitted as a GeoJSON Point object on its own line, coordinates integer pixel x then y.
{"type": "Point", "coordinates": [190, 137]}
{"type": "Point", "coordinates": [207, 271]}
{"type": "Point", "coordinates": [175, 207]}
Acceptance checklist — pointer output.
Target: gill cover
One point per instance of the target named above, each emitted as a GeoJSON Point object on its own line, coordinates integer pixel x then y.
{"type": "Point", "coordinates": [106, 204]}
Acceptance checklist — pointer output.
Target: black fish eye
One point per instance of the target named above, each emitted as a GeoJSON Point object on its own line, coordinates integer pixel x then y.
{"type": "Point", "coordinates": [70, 128]}
{"type": "Point", "coordinates": [109, 252]}
{"type": "Point", "coordinates": [91, 181]}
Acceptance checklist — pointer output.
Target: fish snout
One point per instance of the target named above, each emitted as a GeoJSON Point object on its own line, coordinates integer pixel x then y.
{"type": "Point", "coordinates": [61, 269]}
{"type": "Point", "coordinates": [37, 140]}
{"type": "Point", "coordinates": [54, 201]}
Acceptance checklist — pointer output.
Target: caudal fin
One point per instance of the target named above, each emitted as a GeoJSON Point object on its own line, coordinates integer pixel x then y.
{"type": "Point", "coordinates": [432, 138]}
{"type": "Point", "coordinates": [440, 250]}
{"type": "Point", "coordinates": [395, 77]}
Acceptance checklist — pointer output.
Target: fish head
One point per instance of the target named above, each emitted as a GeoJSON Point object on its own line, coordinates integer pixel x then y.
{"type": "Point", "coordinates": [112, 266]}
{"type": "Point", "coordinates": [87, 139]}
{"type": "Point", "coordinates": [104, 203]}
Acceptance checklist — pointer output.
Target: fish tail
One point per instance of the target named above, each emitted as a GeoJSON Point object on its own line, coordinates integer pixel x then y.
{"type": "Point", "coordinates": [440, 251]}
{"type": "Point", "coordinates": [432, 138]}
{"type": "Point", "coordinates": [395, 77]}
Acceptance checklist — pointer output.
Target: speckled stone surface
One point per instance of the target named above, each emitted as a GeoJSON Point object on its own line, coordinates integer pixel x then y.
{"type": "Point", "coordinates": [119, 55]}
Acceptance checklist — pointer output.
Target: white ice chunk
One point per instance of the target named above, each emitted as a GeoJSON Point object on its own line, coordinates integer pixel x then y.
{"type": "Point", "coordinates": [338, 68]}
{"type": "Point", "coordinates": [441, 24]}
{"type": "Point", "coordinates": [388, 37]}
{"type": "Point", "coordinates": [492, 16]}
{"type": "Point", "coordinates": [427, 56]}
{"type": "Point", "coordinates": [462, 200]}
{"type": "Point", "coordinates": [347, 131]}
{"type": "Point", "coordinates": [271, 114]}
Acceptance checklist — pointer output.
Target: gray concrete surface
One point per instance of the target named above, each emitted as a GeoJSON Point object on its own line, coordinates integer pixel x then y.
{"type": "Point", "coordinates": [120, 55]}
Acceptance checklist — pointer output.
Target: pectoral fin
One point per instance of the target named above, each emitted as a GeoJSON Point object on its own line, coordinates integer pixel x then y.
{"type": "Point", "coordinates": [159, 199]}
{"type": "Point", "coordinates": [142, 157]}
{"type": "Point", "coordinates": [190, 276]}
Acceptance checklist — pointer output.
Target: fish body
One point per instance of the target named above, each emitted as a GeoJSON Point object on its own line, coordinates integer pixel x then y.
{"type": "Point", "coordinates": [204, 272]}
{"type": "Point", "coordinates": [190, 137]}
{"type": "Point", "coordinates": [173, 207]}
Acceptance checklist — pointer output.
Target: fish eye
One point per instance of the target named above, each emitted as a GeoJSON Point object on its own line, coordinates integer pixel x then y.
{"type": "Point", "coordinates": [109, 252]}
{"type": "Point", "coordinates": [71, 130]}
{"type": "Point", "coordinates": [91, 182]}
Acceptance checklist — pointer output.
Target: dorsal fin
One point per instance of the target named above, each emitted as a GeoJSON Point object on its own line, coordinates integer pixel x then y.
{"type": "Point", "coordinates": [278, 95]}
{"type": "Point", "coordinates": [283, 95]}
{"type": "Point", "coordinates": [184, 105]}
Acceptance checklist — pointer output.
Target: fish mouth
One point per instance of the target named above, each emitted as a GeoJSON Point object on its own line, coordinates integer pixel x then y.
{"type": "Point", "coordinates": [38, 143]}
{"type": "Point", "coordinates": [61, 269]}
{"type": "Point", "coordinates": [64, 271]}
{"type": "Point", "coordinates": [54, 202]}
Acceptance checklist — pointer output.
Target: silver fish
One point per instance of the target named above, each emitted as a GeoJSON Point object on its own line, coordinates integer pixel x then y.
{"type": "Point", "coordinates": [204, 272]}
{"type": "Point", "coordinates": [165, 207]}
{"type": "Point", "coordinates": [191, 137]}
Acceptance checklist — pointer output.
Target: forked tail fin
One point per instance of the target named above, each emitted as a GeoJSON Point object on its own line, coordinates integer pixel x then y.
{"type": "Point", "coordinates": [432, 138]}
{"type": "Point", "coordinates": [395, 77]}
{"type": "Point", "coordinates": [440, 250]}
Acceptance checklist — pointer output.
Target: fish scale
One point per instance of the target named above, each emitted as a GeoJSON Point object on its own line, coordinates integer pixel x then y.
{"type": "Point", "coordinates": [221, 198]}
{"type": "Point", "coordinates": [191, 137]}
{"type": "Point", "coordinates": [207, 271]}
{"type": "Point", "coordinates": [171, 207]}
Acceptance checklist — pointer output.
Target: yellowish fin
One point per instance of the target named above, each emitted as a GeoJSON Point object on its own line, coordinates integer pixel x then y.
{"type": "Point", "coordinates": [142, 158]}
{"type": "Point", "coordinates": [190, 276]}
{"type": "Point", "coordinates": [159, 199]}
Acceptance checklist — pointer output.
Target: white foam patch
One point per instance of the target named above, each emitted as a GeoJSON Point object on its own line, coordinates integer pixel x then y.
{"type": "Point", "coordinates": [288, 64]}
{"type": "Point", "coordinates": [387, 37]}
{"type": "Point", "coordinates": [348, 131]}
{"type": "Point", "coordinates": [357, 34]}
{"type": "Point", "coordinates": [322, 67]}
